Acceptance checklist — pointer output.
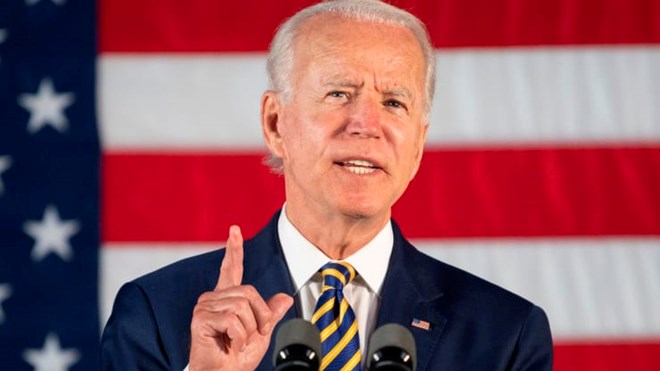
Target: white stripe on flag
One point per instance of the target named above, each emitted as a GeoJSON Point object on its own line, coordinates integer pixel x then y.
{"type": "Point", "coordinates": [181, 101]}
{"type": "Point", "coordinates": [590, 288]}
{"type": "Point", "coordinates": [483, 96]}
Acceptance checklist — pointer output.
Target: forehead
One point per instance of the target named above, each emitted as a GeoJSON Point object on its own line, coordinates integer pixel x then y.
{"type": "Point", "coordinates": [331, 41]}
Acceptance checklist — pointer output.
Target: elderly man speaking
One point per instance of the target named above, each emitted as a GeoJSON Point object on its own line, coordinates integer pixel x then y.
{"type": "Point", "coordinates": [345, 121]}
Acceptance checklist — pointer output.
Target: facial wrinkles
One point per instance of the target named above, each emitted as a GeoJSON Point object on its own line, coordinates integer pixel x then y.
{"type": "Point", "coordinates": [395, 121]}
{"type": "Point", "coordinates": [345, 53]}
{"type": "Point", "coordinates": [390, 83]}
{"type": "Point", "coordinates": [360, 72]}
{"type": "Point", "coordinates": [384, 89]}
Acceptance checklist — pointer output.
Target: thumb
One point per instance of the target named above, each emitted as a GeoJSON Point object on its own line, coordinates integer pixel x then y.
{"type": "Point", "coordinates": [279, 304]}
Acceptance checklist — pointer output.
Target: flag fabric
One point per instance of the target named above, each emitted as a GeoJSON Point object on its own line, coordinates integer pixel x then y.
{"type": "Point", "coordinates": [541, 171]}
{"type": "Point", "coordinates": [49, 186]}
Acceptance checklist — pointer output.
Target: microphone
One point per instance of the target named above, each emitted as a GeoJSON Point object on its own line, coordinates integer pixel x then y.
{"type": "Point", "coordinates": [392, 348]}
{"type": "Point", "coordinates": [297, 346]}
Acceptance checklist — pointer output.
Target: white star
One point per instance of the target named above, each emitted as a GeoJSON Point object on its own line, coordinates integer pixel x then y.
{"type": "Point", "coordinates": [5, 163]}
{"type": "Point", "coordinates": [51, 234]}
{"type": "Point", "coordinates": [56, 2]}
{"type": "Point", "coordinates": [51, 357]}
{"type": "Point", "coordinates": [5, 292]}
{"type": "Point", "coordinates": [46, 107]}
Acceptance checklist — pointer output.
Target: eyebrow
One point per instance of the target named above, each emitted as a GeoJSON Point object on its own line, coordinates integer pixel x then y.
{"type": "Point", "coordinates": [341, 82]}
{"type": "Point", "coordinates": [399, 92]}
{"type": "Point", "coordinates": [347, 83]}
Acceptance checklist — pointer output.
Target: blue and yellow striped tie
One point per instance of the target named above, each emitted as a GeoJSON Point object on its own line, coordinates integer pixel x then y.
{"type": "Point", "coordinates": [335, 319]}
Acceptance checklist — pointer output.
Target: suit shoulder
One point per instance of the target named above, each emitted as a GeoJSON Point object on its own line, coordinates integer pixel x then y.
{"type": "Point", "coordinates": [160, 304]}
{"type": "Point", "coordinates": [500, 326]}
{"type": "Point", "coordinates": [458, 284]}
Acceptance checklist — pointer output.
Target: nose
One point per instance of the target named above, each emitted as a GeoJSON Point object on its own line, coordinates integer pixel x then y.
{"type": "Point", "coordinates": [365, 119]}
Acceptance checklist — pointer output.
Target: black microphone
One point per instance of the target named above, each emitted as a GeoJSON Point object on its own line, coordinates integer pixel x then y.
{"type": "Point", "coordinates": [392, 348]}
{"type": "Point", "coordinates": [297, 346]}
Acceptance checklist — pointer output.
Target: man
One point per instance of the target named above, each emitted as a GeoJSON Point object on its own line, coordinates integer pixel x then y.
{"type": "Point", "coordinates": [345, 122]}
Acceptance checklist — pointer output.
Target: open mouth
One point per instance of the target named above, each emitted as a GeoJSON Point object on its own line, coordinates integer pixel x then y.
{"type": "Point", "coordinates": [359, 167]}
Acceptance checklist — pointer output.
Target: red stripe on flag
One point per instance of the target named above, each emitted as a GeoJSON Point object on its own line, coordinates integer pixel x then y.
{"type": "Point", "coordinates": [209, 25]}
{"type": "Point", "coordinates": [193, 197]}
{"type": "Point", "coordinates": [607, 357]}
{"type": "Point", "coordinates": [457, 193]}
{"type": "Point", "coordinates": [534, 192]}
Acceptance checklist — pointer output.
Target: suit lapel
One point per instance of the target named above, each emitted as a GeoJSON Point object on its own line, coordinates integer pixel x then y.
{"type": "Point", "coordinates": [264, 264]}
{"type": "Point", "coordinates": [406, 297]}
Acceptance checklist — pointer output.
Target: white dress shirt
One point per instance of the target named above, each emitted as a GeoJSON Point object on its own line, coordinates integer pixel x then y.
{"type": "Point", "coordinates": [363, 293]}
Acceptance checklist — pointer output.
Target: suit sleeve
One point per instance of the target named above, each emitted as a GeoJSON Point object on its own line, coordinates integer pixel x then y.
{"type": "Point", "coordinates": [534, 348]}
{"type": "Point", "coordinates": [131, 339]}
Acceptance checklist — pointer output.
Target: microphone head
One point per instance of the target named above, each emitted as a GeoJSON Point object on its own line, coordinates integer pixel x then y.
{"type": "Point", "coordinates": [392, 347]}
{"type": "Point", "coordinates": [297, 346]}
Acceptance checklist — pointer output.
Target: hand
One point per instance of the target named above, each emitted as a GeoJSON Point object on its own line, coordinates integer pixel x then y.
{"type": "Point", "coordinates": [232, 325]}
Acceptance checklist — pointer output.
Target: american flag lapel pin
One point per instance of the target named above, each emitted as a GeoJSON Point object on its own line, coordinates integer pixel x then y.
{"type": "Point", "coordinates": [424, 325]}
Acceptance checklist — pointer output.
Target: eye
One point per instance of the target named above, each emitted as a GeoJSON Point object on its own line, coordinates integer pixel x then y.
{"type": "Point", "coordinates": [394, 103]}
{"type": "Point", "coordinates": [337, 94]}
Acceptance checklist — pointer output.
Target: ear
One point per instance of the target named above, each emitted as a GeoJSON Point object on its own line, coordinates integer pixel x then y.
{"type": "Point", "coordinates": [271, 114]}
{"type": "Point", "coordinates": [420, 149]}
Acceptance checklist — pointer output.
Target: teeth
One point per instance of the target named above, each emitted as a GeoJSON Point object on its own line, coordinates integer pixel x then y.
{"type": "Point", "coordinates": [360, 170]}
{"type": "Point", "coordinates": [360, 163]}
{"type": "Point", "coordinates": [360, 167]}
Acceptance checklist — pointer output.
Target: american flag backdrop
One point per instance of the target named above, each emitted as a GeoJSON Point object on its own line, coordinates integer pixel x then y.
{"type": "Point", "coordinates": [541, 171]}
{"type": "Point", "coordinates": [49, 186]}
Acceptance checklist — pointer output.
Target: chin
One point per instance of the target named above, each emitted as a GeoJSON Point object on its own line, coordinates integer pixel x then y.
{"type": "Point", "coordinates": [362, 210]}
{"type": "Point", "coordinates": [356, 215]}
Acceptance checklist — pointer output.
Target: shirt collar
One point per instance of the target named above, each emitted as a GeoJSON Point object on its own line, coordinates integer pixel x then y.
{"type": "Point", "coordinates": [304, 259]}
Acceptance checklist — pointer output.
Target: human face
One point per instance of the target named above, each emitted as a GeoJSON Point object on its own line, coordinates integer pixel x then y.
{"type": "Point", "coordinates": [351, 134]}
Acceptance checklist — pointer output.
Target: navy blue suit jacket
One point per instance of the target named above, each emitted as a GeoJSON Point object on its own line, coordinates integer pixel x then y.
{"type": "Point", "coordinates": [474, 325]}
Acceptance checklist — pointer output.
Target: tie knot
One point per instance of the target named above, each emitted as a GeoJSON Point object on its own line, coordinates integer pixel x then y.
{"type": "Point", "coordinates": [336, 275]}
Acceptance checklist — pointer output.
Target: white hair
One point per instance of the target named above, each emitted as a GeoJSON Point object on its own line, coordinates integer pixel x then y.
{"type": "Point", "coordinates": [281, 55]}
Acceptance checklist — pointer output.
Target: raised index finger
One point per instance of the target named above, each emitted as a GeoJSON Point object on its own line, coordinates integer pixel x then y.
{"type": "Point", "coordinates": [231, 269]}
